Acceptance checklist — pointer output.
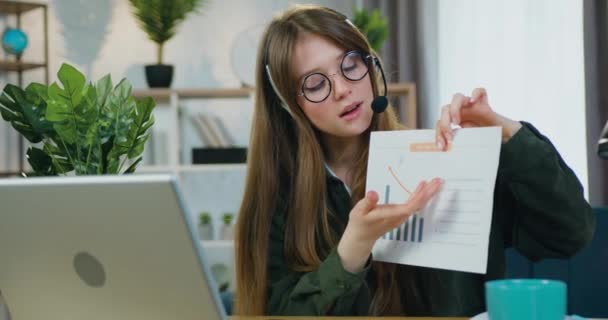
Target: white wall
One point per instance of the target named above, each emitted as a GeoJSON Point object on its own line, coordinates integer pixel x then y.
{"type": "Point", "coordinates": [101, 37]}
{"type": "Point", "coordinates": [529, 56]}
{"type": "Point", "coordinates": [200, 50]}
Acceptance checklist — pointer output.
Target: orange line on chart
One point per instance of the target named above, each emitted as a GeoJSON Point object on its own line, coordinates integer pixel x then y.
{"type": "Point", "coordinates": [398, 181]}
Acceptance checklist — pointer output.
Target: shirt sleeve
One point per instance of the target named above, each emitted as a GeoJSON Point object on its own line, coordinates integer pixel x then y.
{"type": "Point", "coordinates": [551, 218]}
{"type": "Point", "coordinates": [328, 290]}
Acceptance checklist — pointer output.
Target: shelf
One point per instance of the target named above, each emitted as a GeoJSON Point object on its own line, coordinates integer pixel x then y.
{"type": "Point", "coordinates": [18, 7]}
{"type": "Point", "coordinates": [6, 65]}
{"type": "Point", "coordinates": [401, 88]}
{"type": "Point", "coordinates": [191, 168]}
{"type": "Point", "coordinates": [165, 94]}
{"type": "Point", "coordinates": [217, 244]}
{"type": "Point", "coordinates": [10, 174]}
{"type": "Point", "coordinates": [212, 167]}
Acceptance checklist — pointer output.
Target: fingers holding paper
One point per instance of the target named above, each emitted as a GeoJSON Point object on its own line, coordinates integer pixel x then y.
{"type": "Point", "coordinates": [468, 112]}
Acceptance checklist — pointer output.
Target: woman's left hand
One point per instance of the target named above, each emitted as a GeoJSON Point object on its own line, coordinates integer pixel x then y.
{"type": "Point", "coordinates": [473, 111]}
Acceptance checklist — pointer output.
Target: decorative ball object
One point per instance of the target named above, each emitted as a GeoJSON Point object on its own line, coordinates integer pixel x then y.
{"type": "Point", "coordinates": [14, 41]}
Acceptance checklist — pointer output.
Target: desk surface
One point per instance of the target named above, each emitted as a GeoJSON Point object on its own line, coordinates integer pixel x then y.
{"type": "Point", "coordinates": [340, 318]}
{"type": "Point", "coordinates": [355, 318]}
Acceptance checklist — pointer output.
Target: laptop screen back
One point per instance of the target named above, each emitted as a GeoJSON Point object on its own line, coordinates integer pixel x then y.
{"type": "Point", "coordinates": [101, 247]}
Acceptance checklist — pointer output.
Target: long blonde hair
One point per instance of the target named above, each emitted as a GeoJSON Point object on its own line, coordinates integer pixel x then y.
{"type": "Point", "coordinates": [285, 160]}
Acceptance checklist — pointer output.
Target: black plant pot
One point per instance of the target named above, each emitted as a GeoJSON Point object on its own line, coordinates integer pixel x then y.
{"type": "Point", "coordinates": [159, 75]}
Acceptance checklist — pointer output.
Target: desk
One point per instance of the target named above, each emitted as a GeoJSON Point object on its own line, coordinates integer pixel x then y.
{"type": "Point", "coordinates": [357, 318]}
{"type": "Point", "coordinates": [340, 318]}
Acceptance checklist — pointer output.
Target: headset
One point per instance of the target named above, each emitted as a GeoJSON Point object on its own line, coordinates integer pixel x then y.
{"type": "Point", "coordinates": [379, 103]}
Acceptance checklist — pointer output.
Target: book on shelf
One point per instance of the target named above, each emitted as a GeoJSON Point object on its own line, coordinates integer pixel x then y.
{"type": "Point", "coordinates": [218, 125]}
{"type": "Point", "coordinates": [218, 143]}
{"type": "Point", "coordinates": [203, 132]}
{"type": "Point", "coordinates": [212, 131]}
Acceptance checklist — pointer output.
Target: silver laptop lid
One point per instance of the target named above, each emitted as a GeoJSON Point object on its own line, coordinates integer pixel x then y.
{"type": "Point", "coordinates": [102, 247]}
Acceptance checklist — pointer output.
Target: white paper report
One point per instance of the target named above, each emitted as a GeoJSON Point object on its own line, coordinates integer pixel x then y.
{"type": "Point", "coordinates": [452, 231]}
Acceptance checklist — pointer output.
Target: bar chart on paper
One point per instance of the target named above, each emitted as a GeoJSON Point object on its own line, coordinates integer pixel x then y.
{"type": "Point", "coordinates": [452, 230]}
{"type": "Point", "coordinates": [411, 231]}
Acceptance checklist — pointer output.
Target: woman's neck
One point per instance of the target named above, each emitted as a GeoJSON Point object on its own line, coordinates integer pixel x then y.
{"type": "Point", "coordinates": [341, 155]}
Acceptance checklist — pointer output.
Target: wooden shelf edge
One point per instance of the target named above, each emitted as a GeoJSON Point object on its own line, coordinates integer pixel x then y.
{"type": "Point", "coordinates": [192, 168]}
{"type": "Point", "coordinates": [7, 65]}
{"type": "Point", "coordinates": [194, 93]}
{"type": "Point", "coordinates": [17, 7]}
{"type": "Point", "coordinates": [401, 88]}
{"type": "Point", "coordinates": [10, 174]}
{"type": "Point", "coordinates": [217, 243]}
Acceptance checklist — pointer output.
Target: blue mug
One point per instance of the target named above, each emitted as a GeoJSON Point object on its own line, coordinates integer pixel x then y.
{"type": "Point", "coordinates": [526, 299]}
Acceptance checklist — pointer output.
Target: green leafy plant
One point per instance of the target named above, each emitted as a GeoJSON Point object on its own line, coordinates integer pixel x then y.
{"type": "Point", "coordinates": [204, 218]}
{"type": "Point", "coordinates": [82, 127]}
{"type": "Point", "coordinates": [227, 218]}
{"type": "Point", "coordinates": [373, 25]}
{"type": "Point", "coordinates": [159, 19]}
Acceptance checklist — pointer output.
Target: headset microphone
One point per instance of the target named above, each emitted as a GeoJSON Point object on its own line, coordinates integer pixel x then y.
{"type": "Point", "coordinates": [380, 103]}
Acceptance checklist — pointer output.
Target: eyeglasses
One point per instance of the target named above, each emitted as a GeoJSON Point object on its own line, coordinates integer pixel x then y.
{"type": "Point", "coordinates": [316, 87]}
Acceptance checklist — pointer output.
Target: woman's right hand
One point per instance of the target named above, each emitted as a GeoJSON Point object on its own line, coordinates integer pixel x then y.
{"type": "Point", "coordinates": [368, 221]}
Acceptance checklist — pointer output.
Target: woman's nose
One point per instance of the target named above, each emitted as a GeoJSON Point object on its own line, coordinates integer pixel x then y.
{"type": "Point", "coordinates": [342, 86]}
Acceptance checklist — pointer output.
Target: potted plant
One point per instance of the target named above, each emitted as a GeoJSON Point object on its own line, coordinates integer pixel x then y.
{"type": "Point", "coordinates": [221, 274]}
{"type": "Point", "coordinates": [205, 227]}
{"type": "Point", "coordinates": [80, 128]}
{"type": "Point", "coordinates": [227, 227]}
{"type": "Point", "coordinates": [159, 19]}
{"type": "Point", "coordinates": [373, 25]}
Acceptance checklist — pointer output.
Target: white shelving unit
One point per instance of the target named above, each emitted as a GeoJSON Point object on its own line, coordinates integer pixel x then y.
{"type": "Point", "coordinates": [168, 103]}
{"type": "Point", "coordinates": [168, 107]}
{"type": "Point", "coordinates": [168, 130]}
{"type": "Point", "coordinates": [204, 186]}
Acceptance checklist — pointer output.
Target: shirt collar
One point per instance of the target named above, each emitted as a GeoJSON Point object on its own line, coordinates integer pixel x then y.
{"type": "Point", "coordinates": [331, 172]}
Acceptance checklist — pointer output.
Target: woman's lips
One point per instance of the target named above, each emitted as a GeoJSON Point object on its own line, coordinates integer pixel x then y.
{"type": "Point", "coordinates": [351, 114]}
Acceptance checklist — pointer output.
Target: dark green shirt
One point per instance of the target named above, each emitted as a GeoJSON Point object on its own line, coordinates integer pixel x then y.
{"type": "Point", "coordinates": [539, 209]}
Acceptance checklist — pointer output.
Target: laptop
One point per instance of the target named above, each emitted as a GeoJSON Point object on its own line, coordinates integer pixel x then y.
{"type": "Point", "coordinates": [101, 248]}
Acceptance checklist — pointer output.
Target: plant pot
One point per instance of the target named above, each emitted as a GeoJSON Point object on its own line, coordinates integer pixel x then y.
{"type": "Point", "coordinates": [205, 232]}
{"type": "Point", "coordinates": [227, 232]}
{"type": "Point", "coordinates": [159, 75]}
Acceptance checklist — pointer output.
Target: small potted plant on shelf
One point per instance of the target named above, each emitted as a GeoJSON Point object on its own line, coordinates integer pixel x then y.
{"type": "Point", "coordinates": [159, 19]}
{"type": "Point", "coordinates": [205, 227]}
{"type": "Point", "coordinates": [80, 128]}
{"type": "Point", "coordinates": [221, 275]}
{"type": "Point", "coordinates": [227, 227]}
{"type": "Point", "coordinates": [373, 25]}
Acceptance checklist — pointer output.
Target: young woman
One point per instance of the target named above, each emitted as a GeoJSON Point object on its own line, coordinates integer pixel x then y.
{"type": "Point", "coordinates": [306, 229]}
